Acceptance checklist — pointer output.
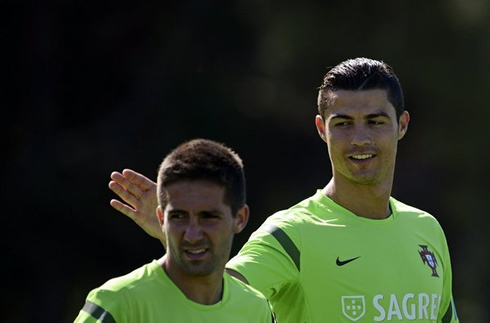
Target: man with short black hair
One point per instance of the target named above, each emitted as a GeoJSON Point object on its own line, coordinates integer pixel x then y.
{"type": "Point", "coordinates": [350, 252]}
{"type": "Point", "coordinates": [201, 206]}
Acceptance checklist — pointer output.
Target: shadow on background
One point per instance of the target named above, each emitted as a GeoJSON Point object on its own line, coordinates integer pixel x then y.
{"type": "Point", "coordinates": [100, 86]}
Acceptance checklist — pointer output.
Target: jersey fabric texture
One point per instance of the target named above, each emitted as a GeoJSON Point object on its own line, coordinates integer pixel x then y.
{"type": "Point", "coordinates": [148, 295]}
{"type": "Point", "coordinates": [318, 262]}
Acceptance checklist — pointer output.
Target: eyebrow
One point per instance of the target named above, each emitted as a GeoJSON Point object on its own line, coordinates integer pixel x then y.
{"type": "Point", "coordinates": [203, 212]}
{"type": "Point", "coordinates": [377, 115]}
{"type": "Point", "coordinates": [369, 116]}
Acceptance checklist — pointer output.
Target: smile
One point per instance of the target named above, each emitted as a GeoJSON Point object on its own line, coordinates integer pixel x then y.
{"type": "Point", "coordinates": [196, 254]}
{"type": "Point", "coordinates": [361, 156]}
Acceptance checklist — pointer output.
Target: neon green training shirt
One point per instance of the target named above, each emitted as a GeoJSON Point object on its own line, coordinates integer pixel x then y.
{"type": "Point", "coordinates": [318, 262]}
{"type": "Point", "coordinates": [148, 295]}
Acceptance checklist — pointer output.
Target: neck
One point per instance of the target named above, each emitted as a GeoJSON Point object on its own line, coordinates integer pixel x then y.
{"type": "Point", "coordinates": [368, 201]}
{"type": "Point", "coordinates": [206, 290]}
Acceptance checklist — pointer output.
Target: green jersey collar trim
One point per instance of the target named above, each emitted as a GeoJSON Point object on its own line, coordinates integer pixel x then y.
{"type": "Point", "coordinates": [162, 275]}
{"type": "Point", "coordinates": [326, 202]}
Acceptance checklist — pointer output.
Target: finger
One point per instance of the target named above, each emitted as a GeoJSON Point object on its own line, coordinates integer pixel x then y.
{"type": "Point", "coordinates": [127, 184]}
{"type": "Point", "coordinates": [124, 194]}
{"type": "Point", "coordinates": [118, 178]}
{"type": "Point", "coordinates": [140, 180]}
{"type": "Point", "coordinates": [124, 209]}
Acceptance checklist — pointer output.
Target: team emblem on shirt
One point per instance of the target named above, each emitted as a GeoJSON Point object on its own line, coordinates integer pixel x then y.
{"type": "Point", "coordinates": [353, 307]}
{"type": "Point", "coordinates": [429, 258]}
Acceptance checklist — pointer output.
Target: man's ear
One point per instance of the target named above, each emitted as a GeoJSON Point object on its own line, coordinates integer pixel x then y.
{"type": "Point", "coordinates": [403, 122]}
{"type": "Point", "coordinates": [320, 127]}
{"type": "Point", "coordinates": [241, 219]}
{"type": "Point", "coordinates": [161, 221]}
{"type": "Point", "coordinates": [160, 216]}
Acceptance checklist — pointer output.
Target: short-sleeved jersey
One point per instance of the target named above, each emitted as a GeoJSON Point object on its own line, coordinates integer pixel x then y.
{"type": "Point", "coordinates": [319, 262]}
{"type": "Point", "coordinates": [148, 295]}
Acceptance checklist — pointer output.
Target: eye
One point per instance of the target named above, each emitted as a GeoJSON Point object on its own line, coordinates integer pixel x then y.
{"type": "Point", "coordinates": [342, 124]}
{"type": "Point", "coordinates": [210, 216]}
{"type": "Point", "coordinates": [177, 216]}
{"type": "Point", "coordinates": [376, 122]}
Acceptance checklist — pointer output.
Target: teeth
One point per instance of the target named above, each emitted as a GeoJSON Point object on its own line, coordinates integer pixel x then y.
{"type": "Point", "coordinates": [195, 252]}
{"type": "Point", "coordinates": [363, 156]}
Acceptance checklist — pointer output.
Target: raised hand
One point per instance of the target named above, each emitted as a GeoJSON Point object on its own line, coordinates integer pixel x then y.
{"type": "Point", "coordinates": [139, 193]}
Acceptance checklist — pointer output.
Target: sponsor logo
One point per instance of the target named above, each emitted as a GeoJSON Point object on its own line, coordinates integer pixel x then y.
{"type": "Point", "coordinates": [429, 258]}
{"type": "Point", "coordinates": [353, 307]}
{"type": "Point", "coordinates": [411, 307]}
{"type": "Point", "coordinates": [392, 307]}
{"type": "Point", "coordinates": [345, 262]}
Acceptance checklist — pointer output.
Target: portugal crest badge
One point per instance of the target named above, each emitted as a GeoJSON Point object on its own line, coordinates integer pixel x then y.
{"type": "Point", "coordinates": [429, 258]}
{"type": "Point", "coordinates": [353, 307]}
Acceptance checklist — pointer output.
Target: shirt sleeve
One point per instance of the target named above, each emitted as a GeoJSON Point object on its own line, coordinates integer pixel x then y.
{"type": "Point", "coordinates": [101, 307]}
{"type": "Point", "coordinates": [270, 260]}
{"type": "Point", "coordinates": [447, 310]}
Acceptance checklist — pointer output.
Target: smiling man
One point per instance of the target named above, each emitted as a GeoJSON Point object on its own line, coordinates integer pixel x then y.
{"type": "Point", "coordinates": [201, 206]}
{"type": "Point", "coordinates": [351, 252]}
{"type": "Point", "coordinates": [361, 129]}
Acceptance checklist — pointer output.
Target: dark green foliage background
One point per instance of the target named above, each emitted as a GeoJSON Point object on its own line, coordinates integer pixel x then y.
{"type": "Point", "coordinates": [97, 86]}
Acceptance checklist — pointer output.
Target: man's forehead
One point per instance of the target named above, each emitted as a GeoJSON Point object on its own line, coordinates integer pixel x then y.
{"type": "Point", "coordinates": [195, 191]}
{"type": "Point", "coordinates": [363, 100]}
{"type": "Point", "coordinates": [193, 188]}
{"type": "Point", "coordinates": [342, 94]}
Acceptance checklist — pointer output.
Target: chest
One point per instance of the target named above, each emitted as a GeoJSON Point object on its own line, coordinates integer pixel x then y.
{"type": "Point", "coordinates": [381, 270]}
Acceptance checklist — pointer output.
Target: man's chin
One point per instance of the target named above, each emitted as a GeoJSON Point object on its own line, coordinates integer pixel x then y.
{"type": "Point", "coordinates": [199, 270]}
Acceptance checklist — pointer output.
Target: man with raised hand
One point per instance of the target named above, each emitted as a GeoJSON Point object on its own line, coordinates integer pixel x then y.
{"type": "Point", "coordinates": [350, 252]}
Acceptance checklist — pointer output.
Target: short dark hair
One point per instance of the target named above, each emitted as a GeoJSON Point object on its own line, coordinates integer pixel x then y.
{"type": "Point", "coordinates": [203, 159]}
{"type": "Point", "coordinates": [361, 74]}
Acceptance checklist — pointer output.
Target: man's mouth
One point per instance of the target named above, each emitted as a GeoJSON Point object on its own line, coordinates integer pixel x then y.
{"type": "Point", "coordinates": [361, 156]}
{"type": "Point", "coordinates": [196, 253]}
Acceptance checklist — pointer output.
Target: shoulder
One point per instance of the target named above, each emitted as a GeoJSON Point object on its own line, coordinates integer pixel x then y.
{"type": "Point", "coordinates": [245, 298]}
{"type": "Point", "coordinates": [135, 278]}
{"type": "Point", "coordinates": [405, 209]}
{"type": "Point", "coordinates": [304, 212]}
{"type": "Point", "coordinates": [119, 296]}
{"type": "Point", "coordinates": [287, 226]}
{"type": "Point", "coordinates": [121, 288]}
{"type": "Point", "coordinates": [245, 290]}
{"type": "Point", "coordinates": [414, 215]}
{"type": "Point", "coordinates": [298, 220]}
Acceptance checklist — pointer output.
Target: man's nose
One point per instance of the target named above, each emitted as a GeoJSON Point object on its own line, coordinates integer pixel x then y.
{"type": "Point", "coordinates": [193, 232]}
{"type": "Point", "coordinates": [361, 136]}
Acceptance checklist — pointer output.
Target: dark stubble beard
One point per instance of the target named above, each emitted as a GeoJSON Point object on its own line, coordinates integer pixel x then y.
{"type": "Point", "coordinates": [198, 268]}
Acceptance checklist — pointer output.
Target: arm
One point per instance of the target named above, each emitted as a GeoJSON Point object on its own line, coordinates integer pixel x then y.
{"type": "Point", "coordinates": [93, 313]}
{"type": "Point", "coordinates": [264, 263]}
{"type": "Point", "coordinates": [139, 193]}
{"type": "Point", "coordinates": [447, 308]}
{"type": "Point", "coordinates": [237, 275]}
